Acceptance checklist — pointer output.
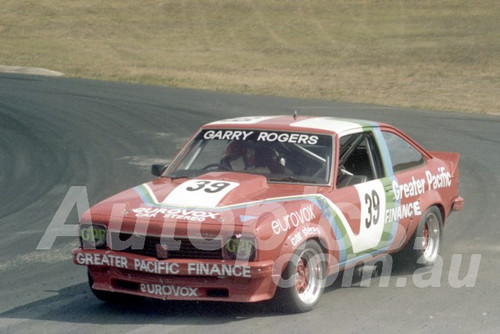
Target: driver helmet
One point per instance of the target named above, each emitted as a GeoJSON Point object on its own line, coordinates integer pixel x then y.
{"type": "Point", "coordinates": [238, 155]}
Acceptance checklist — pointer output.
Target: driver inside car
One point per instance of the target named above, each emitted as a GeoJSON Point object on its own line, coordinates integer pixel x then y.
{"type": "Point", "coordinates": [246, 156]}
{"type": "Point", "coordinates": [237, 156]}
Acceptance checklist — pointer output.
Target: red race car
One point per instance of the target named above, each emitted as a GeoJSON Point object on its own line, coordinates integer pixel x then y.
{"type": "Point", "coordinates": [257, 208]}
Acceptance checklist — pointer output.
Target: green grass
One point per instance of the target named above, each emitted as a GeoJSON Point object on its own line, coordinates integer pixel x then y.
{"type": "Point", "coordinates": [429, 53]}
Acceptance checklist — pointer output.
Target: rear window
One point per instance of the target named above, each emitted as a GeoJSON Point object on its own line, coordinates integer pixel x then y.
{"type": "Point", "coordinates": [403, 155]}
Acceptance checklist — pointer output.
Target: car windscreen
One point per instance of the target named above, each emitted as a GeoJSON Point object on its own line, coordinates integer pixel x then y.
{"type": "Point", "coordinates": [281, 156]}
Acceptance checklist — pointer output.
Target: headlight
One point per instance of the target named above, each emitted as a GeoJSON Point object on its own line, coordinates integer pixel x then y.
{"type": "Point", "coordinates": [92, 236]}
{"type": "Point", "coordinates": [239, 247]}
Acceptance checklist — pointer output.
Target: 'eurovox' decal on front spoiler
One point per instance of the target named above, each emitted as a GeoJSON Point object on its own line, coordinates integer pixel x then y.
{"type": "Point", "coordinates": [169, 290]}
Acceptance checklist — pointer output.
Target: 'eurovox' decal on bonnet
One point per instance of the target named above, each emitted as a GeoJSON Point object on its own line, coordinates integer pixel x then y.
{"type": "Point", "coordinates": [175, 213]}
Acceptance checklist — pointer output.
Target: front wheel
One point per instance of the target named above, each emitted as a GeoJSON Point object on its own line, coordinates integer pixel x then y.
{"type": "Point", "coordinates": [303, 279]}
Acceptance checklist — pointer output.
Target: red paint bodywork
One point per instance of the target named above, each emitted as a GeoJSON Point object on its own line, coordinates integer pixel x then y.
{"type": "Point", "coordinates": [258, 209]}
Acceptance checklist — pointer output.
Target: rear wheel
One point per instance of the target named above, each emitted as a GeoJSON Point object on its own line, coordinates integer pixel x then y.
{"type": "Point", "coordinates": [425, 245]}
{"type": "Point", "coordinates": [303, 279]}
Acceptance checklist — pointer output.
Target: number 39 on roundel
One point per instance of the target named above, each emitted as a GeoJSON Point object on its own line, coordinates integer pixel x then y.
{"type": "Point", "coordinates": [373, 203]}
{"type": "Point", "coordinates": [194, 192]}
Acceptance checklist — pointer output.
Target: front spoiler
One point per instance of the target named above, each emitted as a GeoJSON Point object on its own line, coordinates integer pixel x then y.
{"type": "Point", "coordinates": [178, 279]}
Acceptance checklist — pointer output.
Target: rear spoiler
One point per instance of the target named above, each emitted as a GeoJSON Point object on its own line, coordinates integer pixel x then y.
{"type": "Point", "coordinates": [451, 158]}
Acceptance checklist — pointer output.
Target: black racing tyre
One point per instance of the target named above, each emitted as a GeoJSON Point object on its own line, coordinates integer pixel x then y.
{"type": "Point", "coordinates": [303, 280]}
{"type": "Point", "coordinates": [424, 247]}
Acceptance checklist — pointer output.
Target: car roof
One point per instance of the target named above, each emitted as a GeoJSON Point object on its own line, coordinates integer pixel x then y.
{"type": "Point", "coordinates": [331, 125]}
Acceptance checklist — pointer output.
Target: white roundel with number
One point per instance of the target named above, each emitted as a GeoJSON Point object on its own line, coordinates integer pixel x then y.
{"type": "Point", "coordinates": [199, 193]}
{"type": "Point", "coordinates": [373, 202]}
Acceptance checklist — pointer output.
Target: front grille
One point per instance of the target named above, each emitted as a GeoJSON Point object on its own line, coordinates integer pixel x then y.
{"type": "Point", "coordinates": [171, 248]}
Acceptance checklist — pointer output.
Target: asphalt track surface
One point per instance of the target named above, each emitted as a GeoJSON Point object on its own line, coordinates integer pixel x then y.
{"type": "Point", "coordinates": [58, 133]}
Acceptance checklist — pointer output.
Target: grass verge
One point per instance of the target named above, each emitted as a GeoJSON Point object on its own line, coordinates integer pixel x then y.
{"type": "Point", "coordinates": [430, 54]}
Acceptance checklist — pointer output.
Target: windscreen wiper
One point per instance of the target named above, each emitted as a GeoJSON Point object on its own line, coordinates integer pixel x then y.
{"type": "Point", "coordinates": [180, 176]}
{"type": "Point", "coordinates": [290, 178]}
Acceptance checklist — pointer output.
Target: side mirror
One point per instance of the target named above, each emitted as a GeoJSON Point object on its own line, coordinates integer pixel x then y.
{"type": "Point", "coordinates": [158, 169]}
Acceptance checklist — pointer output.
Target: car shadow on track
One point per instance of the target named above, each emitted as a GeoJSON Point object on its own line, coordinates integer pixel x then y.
{"type": "Point", "coordinates": [381, 272]}
{"type": "Point", "coordinates": [76, 304]}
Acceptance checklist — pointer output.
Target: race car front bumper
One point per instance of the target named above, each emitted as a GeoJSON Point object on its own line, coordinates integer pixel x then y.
{"type": "Point", "coordinates": [178, 279]}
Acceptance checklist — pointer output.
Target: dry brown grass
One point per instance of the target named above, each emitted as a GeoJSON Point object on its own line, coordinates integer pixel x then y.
{"type": "Point", "coordinates": [439, 54]}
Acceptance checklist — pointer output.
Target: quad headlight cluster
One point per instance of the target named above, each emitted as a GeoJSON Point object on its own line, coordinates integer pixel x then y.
{"type": "Point", "coordinates": [92, 236]}
{"type": "Point", "coordinates": [239, 247]}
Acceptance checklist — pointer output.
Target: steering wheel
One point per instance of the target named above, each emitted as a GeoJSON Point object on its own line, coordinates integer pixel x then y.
{"type": "Point", "coordinates": [216, 166]}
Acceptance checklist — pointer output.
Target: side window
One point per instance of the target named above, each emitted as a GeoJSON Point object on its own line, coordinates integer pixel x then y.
{"type": "Point", "coordinates": [359, 160]}
{"type": "Point", "coordinates": [403, 154]}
